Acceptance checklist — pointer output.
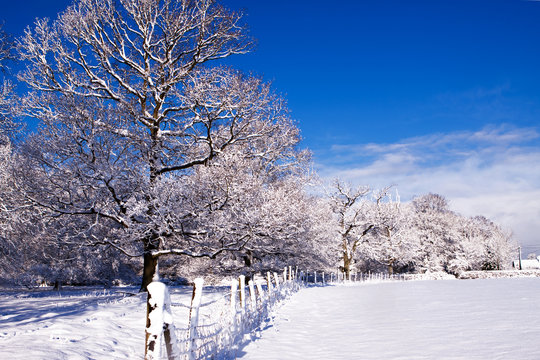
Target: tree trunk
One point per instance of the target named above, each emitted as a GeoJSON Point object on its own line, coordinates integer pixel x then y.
{"type": "Point", "coordinates": [390, 269]}
{"type": "Point", "coordinates": [150, 266]}
{"type": "Point", "coordinates": [152, 242]}
{"type": "Point", "coordinates": [347, 266]}
{"type": "Point", "coordinates": [57, 285]}
{"type": "Point", "coordinates": [149, 270]}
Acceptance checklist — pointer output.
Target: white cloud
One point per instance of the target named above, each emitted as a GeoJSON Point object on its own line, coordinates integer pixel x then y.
{"type": "Point", "coordinates": [493, 172]}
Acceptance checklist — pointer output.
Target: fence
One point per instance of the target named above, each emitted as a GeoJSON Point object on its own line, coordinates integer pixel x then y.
{"type": "Point", "coordinates": [215, 327]}
{"type": "Point", "coordinates": [340, 277]}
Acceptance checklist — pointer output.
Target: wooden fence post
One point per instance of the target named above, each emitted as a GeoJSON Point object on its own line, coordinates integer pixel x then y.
{"type": "Point", "coordinates": [269, 284]}
{"type": "Point", "coordinates": [314, 277]}
{"type": "Point", "coordinates": [276, 279]}
{"type": "Point", "coordinates": [252, 295]}
{"type": "Point", "coordinates": [234, 290]}
{"type": "Point", "coordinates": [290, 273]}
{"type": "Point", "coordinates": [242, 285]}
{"type": "Point", "coordinates": [194, 317]}
{"type": "Point", "coordinates": [285, 274]}
{"type": "Point", "coordinates": [260, 291]}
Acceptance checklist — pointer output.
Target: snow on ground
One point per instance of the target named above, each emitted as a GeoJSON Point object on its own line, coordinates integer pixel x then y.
{"type": "Point", "coordinates": [465, 319]}
{"type": "Point", "coordinates": [75, 323]}
{"type": "Point", "coordinates": [460, 319]}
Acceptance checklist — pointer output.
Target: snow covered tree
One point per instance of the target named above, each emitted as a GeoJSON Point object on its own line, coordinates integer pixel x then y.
{"type": "Point", "coordinates": [436, 232]}
{"type": "Point", "coordinates": [390, 242]}
{"type": "Point", "coordinates": [352, 220]}
{"type": "Point", "coordinates": [496, 245]}
{"type": "Point", "coordinates": [272, 214]}
{"type": "Point", "coordinates": [258, 201]}
{"type": "Point", "coordinates": [129, 108]}
{"type": "Point", "coordinates": [453, 243]}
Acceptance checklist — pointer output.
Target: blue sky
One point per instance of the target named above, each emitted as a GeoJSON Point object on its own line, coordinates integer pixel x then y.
{"type": "Point", "coordinates": [432, 96]}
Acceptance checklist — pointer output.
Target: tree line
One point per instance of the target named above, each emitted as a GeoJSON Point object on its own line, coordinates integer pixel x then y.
{"type": "Point", "coordinates": [148, 151]}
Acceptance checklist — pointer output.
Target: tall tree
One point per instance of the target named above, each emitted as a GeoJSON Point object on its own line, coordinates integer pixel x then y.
{"type": "Point", "coordinates": [129, 107]}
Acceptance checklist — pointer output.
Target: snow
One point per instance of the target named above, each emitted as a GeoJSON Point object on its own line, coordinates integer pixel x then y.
{"type": "Point", "coordinates": [76, 323]}
{"type": "Point", "coordinates": [466, 319]}
{"type": "Point", "coordinates": [472, 319]}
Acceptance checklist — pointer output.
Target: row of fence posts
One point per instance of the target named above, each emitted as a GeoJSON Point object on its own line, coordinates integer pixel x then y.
{"type": "Point", "coordinates": [159, 317]}
{"type": "Point", "coordinates": [339, 277]}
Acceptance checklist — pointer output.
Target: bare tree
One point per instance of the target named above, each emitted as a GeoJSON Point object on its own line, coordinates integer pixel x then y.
{"type": "Point", "coordinates": [353, 222]}
{"type": "Point", "coordinates": [129, 107]}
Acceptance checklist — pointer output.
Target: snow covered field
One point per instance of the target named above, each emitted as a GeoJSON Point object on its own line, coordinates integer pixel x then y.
{"type": "Point", "coordinates": [77, 324]}
{"type": "Point", "coordinates": [465, 319]}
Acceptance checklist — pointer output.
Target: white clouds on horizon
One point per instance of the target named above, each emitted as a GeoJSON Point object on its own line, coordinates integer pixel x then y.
{"type": "Point", "coordinates": [493, 172]}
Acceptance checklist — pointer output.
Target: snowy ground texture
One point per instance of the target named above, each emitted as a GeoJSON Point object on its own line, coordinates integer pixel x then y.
{"type": "Point", "coordinates": [72, 324]}
{"type": "Point", "coordinates": [454, 319]}
{"type": "Point", "coordinates": [461, 319]}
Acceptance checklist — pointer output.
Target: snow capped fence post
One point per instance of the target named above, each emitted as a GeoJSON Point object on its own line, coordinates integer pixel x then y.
{"type": "Point", "coordinates": [154, 320]}
{"type": "Point", "coordinates": [314, 277]}
{"type": "Point", "coordinates": [194, 317]}
{"type": "Point", "coordinates": [285, 274]}
{"type": "Point", "coordinates": [323, 278]}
